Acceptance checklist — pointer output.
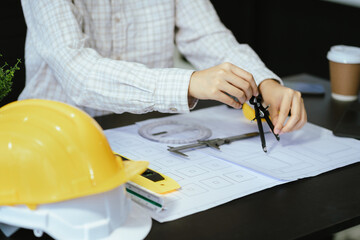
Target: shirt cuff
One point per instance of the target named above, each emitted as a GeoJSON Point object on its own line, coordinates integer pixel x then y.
{"type": "Point", "coordinates": [171, 93]}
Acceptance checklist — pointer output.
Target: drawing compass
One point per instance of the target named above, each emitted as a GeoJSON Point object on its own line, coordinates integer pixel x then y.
{"type": "Point", "coordinates": [174, 132]}
{"type": "Point", "coordinates": [262, 113]}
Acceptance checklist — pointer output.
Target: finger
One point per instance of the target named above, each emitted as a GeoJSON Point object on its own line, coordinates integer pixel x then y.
{"type": "Point", "coordinates": [237, 82]}
{"type": "Point", "coordinates": [303, 119]}
{"type": "Point", "coordinates": [248, 77]}
{"type": "Point", "coordinates": [242, 85]}
{"type": "Point", "coordinates": [274, 114]}
{"type": "Point", "coordinates": [283, 114]}
{"type": "Point", "coordinates": [233, 91]}
{"type": "Point", "coordinates": [296, 114]}
{"type": "Point", "coordinates": [228, 100]}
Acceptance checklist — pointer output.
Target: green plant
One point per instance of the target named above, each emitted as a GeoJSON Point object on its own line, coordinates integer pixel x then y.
{"type": "Point", "coordinates": [6, 76]}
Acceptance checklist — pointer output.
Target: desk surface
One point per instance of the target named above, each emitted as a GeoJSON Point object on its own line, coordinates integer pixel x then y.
{"type": "Point", "coordinates": [311, 208]}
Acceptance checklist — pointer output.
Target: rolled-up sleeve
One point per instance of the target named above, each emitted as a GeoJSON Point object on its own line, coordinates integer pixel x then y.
{"type": "Point", "coordinates": [91, 80]}
{"type": "Point", "coordinates": [206, 42]}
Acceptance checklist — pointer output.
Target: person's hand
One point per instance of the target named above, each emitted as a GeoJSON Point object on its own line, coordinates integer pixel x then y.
{"type": "Point", "coordinates": [282, 100]}
{"type": "Point", "coordinates": [217, 83]}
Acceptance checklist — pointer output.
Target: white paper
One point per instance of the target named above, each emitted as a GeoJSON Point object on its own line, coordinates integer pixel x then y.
{"type": "Point", "coordinates": [209, 177]}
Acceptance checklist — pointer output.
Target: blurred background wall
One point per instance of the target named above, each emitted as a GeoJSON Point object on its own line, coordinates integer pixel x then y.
{"type": "Point", "coordinates": [290, 36]}
{"type": "Point", "coordinates": [12, 41]}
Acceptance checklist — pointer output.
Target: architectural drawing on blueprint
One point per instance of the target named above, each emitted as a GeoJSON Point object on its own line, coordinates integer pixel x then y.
{"type": "Point", "coordinates": [205, 180]}
{"type": "Point", "coordinates": [300, 154]}
{"type": "Point", "coordinates": [210, 177]}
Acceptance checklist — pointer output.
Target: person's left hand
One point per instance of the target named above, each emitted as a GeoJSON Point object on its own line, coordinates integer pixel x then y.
{"type": "Point", "coordinates": [282, 100]}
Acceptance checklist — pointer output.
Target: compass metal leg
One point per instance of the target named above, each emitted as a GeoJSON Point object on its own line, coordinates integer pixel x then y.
{"type": "Point", "coordinates": [261, 130]}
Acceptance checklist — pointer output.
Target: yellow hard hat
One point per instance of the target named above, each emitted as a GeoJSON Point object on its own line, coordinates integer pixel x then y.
{"type": "Point", "coordinates": [51, 151]}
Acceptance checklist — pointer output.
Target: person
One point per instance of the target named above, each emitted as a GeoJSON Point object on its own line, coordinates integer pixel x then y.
{"type": "Point", "coordinates": [117, 56]}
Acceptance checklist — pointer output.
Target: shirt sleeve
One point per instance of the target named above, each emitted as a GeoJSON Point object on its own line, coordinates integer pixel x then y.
{"type": "Point", "coordinates": [206, 42]}
{"type": "Point", "coordinates": [91, 80]}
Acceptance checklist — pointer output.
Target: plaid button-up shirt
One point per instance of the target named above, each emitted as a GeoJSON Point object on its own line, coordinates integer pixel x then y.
{"type": "Point", "coordinates": [117, 55]}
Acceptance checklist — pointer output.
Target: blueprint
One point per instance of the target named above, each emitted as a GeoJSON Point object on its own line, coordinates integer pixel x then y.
{"type": "Point", "coordinates": [211, 177]}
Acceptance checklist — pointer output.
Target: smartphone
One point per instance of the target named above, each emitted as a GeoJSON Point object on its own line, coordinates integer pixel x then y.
{"type": "Point", "coordinates": [315, 89]}
{"type": "Point", "coordinates": [349, 123]}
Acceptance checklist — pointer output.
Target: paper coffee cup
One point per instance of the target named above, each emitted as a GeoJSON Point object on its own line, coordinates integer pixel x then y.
{"type": "Point", "coordinates": [344, 64]}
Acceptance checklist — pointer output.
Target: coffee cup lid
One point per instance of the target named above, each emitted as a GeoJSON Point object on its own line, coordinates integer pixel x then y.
{"type": "Point", "coordinates": [344, 54]}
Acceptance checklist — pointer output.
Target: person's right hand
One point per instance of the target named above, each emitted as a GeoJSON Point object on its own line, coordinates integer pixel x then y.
{"type": "Point", "coordinates": [218, 82]}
